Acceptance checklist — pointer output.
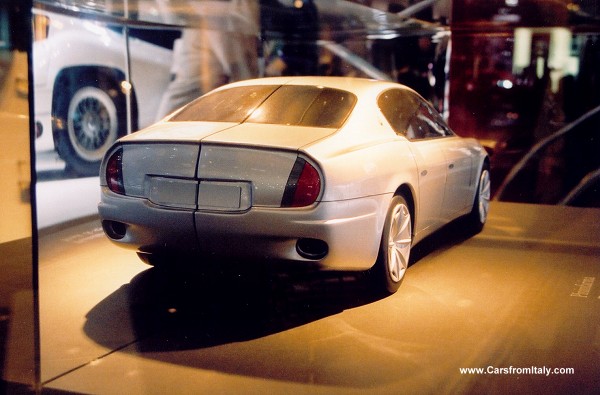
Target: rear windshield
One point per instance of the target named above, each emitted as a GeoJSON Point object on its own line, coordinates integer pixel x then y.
{"type": "Point", "coordinates": [272, 104]}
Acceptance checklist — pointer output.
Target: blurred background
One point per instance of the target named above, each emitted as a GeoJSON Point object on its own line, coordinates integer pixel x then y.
{"type": "Point", "coordinates": [519, 75]}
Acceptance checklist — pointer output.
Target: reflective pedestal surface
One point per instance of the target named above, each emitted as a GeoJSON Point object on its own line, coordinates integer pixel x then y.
{"type": "Point", "coordinates": [517, 299]}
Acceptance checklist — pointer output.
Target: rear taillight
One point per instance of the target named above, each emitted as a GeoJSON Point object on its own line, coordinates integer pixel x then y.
{"type": "Point", "coordinates": [114, 172]}
{"type": "Point", "coordinates": [303, 186]}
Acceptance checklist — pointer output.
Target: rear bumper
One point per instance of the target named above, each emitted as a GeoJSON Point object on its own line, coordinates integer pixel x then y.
{"type": "Point", "coordinates": [350, 229]}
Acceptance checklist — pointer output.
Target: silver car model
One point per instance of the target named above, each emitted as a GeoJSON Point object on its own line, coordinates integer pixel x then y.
{"type": "Point", "coordinates": [336, 173]}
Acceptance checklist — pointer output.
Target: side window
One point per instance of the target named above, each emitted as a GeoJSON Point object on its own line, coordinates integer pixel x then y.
{"type": "Point", "coordinates": [398, 107]}
{"type": "Point", "coordinates": [427, 124]}
{"type": "Point", "coordinates": [439, 120]}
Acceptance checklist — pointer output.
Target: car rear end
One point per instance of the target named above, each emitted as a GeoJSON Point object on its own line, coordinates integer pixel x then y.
{"type": "Point", "coordinates": [236, 187]}
{"type": "Point", "coordinates": [230, 201]}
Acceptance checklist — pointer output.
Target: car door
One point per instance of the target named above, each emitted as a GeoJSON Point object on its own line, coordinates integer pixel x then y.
{"type": "Point", "coordinates": [403, 109]}
{"type": "Point", "coordinates": [458, 192]}
{"type": "Point", "coordinates": [459, 165]}
{"type": "Point", "coordinates": [427, 143]}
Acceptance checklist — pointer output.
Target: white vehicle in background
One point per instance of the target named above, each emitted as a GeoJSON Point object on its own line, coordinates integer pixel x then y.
{"type": "Point", "coordinates": [81, 83]}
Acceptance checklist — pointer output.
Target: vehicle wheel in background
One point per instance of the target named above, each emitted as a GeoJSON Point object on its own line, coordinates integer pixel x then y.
{"type": "Point", "coordinates": [394, 252]}
{"type": "Point", "coordinates": [93, 116]}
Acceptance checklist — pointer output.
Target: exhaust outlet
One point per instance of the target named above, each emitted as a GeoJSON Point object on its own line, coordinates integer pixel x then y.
{"type": "Point", "coordinates": [313, 249]}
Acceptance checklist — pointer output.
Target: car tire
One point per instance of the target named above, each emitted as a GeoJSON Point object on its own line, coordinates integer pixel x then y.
{"type": "Point", "coordinates": [394, 250]}
{"type": "Point", "coordinates": [156, 260]}
{"type": "Point", "coordinates": [481, 205]}
{"type": "Point", "coordinates": [92, 116]}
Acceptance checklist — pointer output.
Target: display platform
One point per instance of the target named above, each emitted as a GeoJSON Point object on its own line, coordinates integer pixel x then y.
{"type": "Point", "coordinates": [520, 301]}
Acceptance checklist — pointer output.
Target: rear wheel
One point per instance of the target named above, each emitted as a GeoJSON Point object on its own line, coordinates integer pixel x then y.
{"type": "Point", "coordinates": [394, 251]}
{"type": "Point", "coordinates": [481, 205]}
{"type": "Point", "coordinates": [152, 259]}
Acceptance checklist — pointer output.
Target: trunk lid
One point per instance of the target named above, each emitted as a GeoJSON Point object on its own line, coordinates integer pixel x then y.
{"type": "Point", "coordinates": [214, 166]}
{"type": "Point", "coordinates": [247, 134]}
{"type": "Point", "coordinates": [178, 131]}
{"type": "Point", "coordinates": [269, 136]}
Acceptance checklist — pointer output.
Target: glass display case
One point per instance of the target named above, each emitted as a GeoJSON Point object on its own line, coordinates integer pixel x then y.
{"type": "Point", "coordinates": [524, 83]}
{"type": "Point", "coordinates": [103, 70]}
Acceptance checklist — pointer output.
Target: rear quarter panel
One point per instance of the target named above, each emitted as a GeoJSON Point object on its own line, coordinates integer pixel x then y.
{"type": "Point", "coordinates": [365, 161]}
{"type": "Point", "coordinates": [365, 157]}
{"type": "Point", "coordinates": [363, 170]}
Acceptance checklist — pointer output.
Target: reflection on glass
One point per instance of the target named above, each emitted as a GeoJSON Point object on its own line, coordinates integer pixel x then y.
{"type": "Point", "coordinates": [18, 358]}
{"type": "Point", "coordinates": [528, 91]}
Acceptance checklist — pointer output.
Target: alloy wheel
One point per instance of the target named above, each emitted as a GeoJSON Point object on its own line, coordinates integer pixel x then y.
{"type": "Point", "coordinates": [399, 242]}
